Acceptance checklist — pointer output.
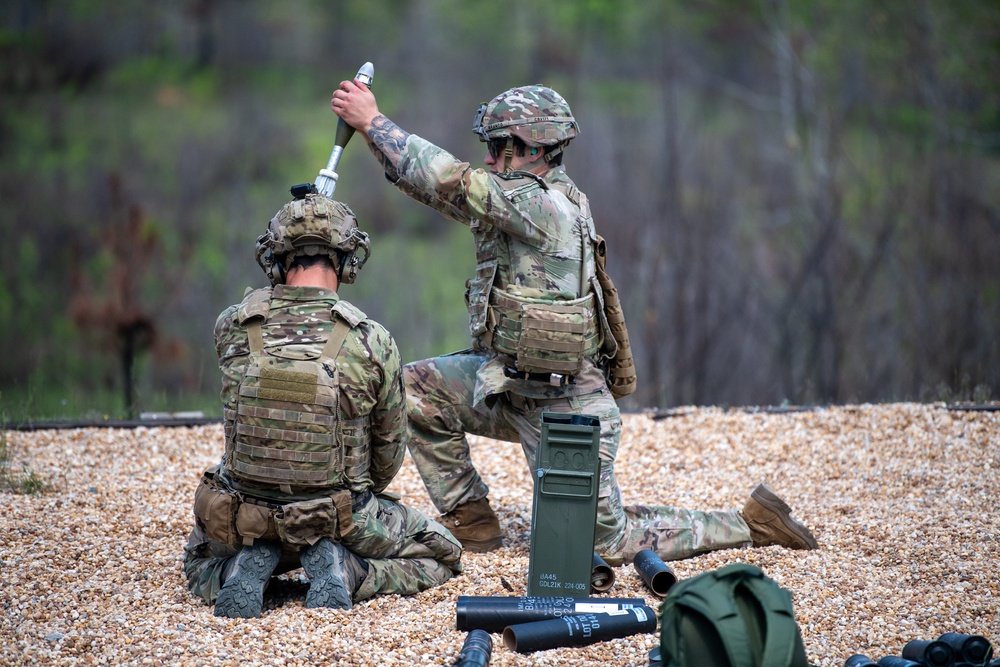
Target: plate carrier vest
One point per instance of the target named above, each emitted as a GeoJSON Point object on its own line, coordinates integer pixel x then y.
{"type": "Point", "coordinates": [287, 432]}
{"type": "Point", "coordinates": [542, 333]}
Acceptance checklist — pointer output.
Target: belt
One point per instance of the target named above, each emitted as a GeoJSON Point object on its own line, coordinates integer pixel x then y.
{"type": "Point", "coordinates": [554, 379]}
{"type": "Point", "coordinates": [358, 500]}
{"type": "Point", "coordinates": [270, 504]}
{"type": "Point", "coordinates": [524, 403]}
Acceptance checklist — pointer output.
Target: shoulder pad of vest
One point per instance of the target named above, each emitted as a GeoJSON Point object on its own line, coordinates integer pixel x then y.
{"type": "Point", "coordinates": [256, 303]}
{"type": "Point", "coordinates": [349, 313]}
{"type": "Point", "coordinates": [511, 180]}
{"type": "Point", "coordinates": [571, 191]}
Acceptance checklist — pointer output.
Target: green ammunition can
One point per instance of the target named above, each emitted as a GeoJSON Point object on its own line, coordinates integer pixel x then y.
{"type": "Point", "coordinates": [564, 508]}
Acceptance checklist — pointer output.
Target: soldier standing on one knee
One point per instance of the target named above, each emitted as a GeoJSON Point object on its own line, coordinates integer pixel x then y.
{"type": "Point", "coordinates": [540, 332]}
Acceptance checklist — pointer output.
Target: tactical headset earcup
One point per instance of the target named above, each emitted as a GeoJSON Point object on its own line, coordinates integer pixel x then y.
{"type": "Point", "coordinates": [357, 256]}
{"type": "Point", "coordinates": [344, 263]}
{"type": "Point", "coordinates": [276, 268]}
{"type": "Point", "coordinates": [273, 269]}
{"type": "Point", "coordinates": [349, 267]}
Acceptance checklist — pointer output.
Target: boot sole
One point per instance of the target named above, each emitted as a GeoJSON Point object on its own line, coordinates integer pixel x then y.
{"type": "Point", "coordinates": [242, 595]}
{"type": "Point", "coordinates": [326, 587]}
{"type": "Point", "coordinates": [780, 508]}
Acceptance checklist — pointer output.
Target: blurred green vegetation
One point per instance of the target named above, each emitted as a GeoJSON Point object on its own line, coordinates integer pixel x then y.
{"type": "Point", "coordinates": [801, 198]}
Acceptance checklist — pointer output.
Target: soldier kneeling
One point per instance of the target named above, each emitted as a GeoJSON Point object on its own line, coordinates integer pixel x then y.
{"type": "Point", "coordinates": [315, 420]}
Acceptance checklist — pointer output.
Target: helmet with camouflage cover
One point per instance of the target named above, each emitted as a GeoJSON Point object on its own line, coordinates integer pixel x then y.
{"type": "Point", "coordinates": [537, 115]}
{"type": "Point", "coordinates": [313, 225]}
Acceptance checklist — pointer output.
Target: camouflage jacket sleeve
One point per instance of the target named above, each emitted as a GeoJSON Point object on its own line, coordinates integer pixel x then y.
{"type": "Point", "coordinates": [388, 155]}
{"type": "Point", "coordinates": [388, 417]}
{"type": "Point", "coordinates": [435, 177]}
{"type": "Point", "coordinates": [232, 348]}
{"type": "Point", "coordinates": [520, 207]}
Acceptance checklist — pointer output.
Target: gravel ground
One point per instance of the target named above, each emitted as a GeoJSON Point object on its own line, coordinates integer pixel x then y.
{"type": "Point", "coordinates": [903, 499]}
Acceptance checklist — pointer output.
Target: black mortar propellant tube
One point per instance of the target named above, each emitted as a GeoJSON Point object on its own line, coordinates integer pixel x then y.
{"type": "Point", "coordinates": [968, 648]}
{"type": "Point", "coordinates": [476, 650]}
{"type": "Point", "coordinates": [859, 660]}
{"type": "Point", "coordinates": [896, 661]}
{"type": "Point", "coordinates": [493, 614]}
{"type": "Point", "coordinates": [602, 575]}
{"type": "Point", "coordinates": [930, 653]}
{"type": "Point", "coordinates": [579, 630]}
{"type": "Point", "coordinates": [656, 574]}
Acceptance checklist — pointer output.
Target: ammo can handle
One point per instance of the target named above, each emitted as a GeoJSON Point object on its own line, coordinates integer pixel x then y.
{"type": "Point", "coordinates": [589, 476]}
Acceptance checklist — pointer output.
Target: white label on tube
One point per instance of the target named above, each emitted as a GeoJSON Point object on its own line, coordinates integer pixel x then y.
{"type": "Point", "coordinates": [594, 607]}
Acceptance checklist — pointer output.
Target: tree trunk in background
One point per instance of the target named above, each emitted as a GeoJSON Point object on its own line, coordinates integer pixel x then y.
{"type": "Point", "coordinates": [801, 200]}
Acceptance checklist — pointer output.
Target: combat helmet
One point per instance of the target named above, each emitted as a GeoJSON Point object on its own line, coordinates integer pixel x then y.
{"type": "Point", "coordinates": [537, 115]}
{"type": "Point", "coordinates": [312, 224]}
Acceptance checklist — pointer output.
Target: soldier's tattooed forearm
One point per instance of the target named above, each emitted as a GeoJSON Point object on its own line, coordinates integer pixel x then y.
{"type": "Point", "coordinates": [390, 170]}
{"type": "Point", "coordinates": [389, 139]}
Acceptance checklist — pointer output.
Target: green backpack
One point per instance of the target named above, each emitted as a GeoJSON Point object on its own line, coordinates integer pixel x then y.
{"type": "Point", "coordinates": [731, 617]}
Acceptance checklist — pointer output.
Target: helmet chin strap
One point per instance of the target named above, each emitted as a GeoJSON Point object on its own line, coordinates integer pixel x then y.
{"type": "Point", "coordinates": [554, 152]}
{"type": "Point", "coordinates": [508, 155]}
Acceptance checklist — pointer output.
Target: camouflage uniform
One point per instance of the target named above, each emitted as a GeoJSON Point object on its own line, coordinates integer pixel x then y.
{"type": "Point", "coordinates": [527, 236]}
{"type": "Point", "coordinates": [406, 552]}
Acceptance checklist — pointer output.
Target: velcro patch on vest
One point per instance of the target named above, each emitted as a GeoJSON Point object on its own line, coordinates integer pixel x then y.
{"type": "Point", "coordinates": [290, 386]}
{"type": "Point", "coordinates": [255, 392]}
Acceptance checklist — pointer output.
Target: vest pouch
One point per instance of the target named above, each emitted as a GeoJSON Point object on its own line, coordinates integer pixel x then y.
{"type": "Point", "coordinates": [215, 510]}
{"type": "Point", "coordinates": [553, 338]}
{"type": "Point", "coordinates": [255, 522]}
{"type": "Point", "coordinates": [344, 502]}
{"type": "Point", "coordinates": [609, 345]}
{"type": "Point", "coordinates": [306, 522]}
{"type": "Point", "coordinates": [621, 371]}
{"type": "Point", "coordinates": [546, 335]}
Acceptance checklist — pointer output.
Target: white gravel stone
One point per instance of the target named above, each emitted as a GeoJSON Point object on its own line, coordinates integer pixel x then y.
{"type": "Point", "coordinates": [903, 499]}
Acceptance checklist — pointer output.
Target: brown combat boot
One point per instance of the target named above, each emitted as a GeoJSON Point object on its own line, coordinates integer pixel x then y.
{"type": "Point", "coordinates": [770, 520]}
{"type": "Point", "coordinates": [475, 525]}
